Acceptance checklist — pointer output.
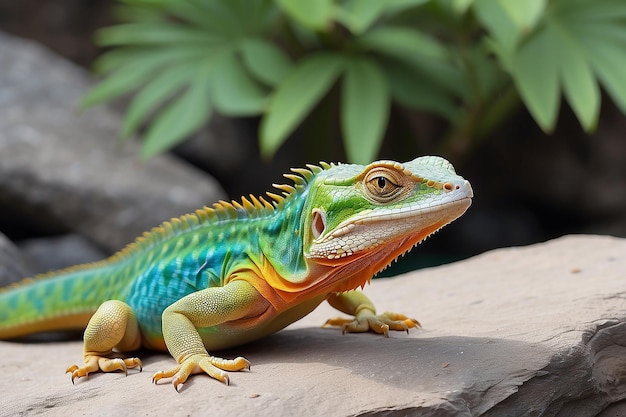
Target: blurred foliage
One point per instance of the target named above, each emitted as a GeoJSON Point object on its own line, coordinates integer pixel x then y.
{"type": "Point", "coordinates": [467, 61]}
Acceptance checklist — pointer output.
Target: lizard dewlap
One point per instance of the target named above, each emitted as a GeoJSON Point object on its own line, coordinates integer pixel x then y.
{"type": "Point", "coordinates": [238, 271]}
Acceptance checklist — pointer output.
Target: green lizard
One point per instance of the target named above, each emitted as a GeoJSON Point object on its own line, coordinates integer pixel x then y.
{"type": "Point", "coordinates": [238, 271]}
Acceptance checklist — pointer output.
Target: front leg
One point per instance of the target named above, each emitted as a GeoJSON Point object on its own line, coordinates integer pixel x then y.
{"type": "Point", "coordinates": [206, 308]}
{"type": "Point", "coordinates": [358, 305]}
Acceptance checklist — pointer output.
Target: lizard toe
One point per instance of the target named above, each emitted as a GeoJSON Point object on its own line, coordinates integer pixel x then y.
{"type": "Point", "coordinates": [201, 363]}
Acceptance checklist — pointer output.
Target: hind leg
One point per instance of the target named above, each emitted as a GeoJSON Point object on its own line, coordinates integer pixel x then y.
{"type": "Point", "coordinates": [113, 325]}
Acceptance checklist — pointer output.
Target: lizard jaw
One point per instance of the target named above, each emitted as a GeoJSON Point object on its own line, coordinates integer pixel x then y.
{"type": "Point", "coordinates": [362, 235]}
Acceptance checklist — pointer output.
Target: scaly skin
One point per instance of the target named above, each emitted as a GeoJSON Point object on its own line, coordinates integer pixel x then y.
{"type": "Point", "coordinates": [230, 274]}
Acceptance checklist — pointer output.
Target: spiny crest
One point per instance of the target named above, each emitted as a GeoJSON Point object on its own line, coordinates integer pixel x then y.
{"type": "Point", "coordinates": [251, 207]}
{"type": "Point", "coordinates": [248, 207]}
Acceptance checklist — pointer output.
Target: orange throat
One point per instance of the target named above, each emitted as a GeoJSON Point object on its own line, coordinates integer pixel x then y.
{"type": "Point", "coordinates": [356, 270]}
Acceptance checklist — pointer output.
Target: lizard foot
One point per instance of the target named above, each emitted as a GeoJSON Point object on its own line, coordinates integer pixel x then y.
{"type": "Point", "coordinates": [380, 324]}
{"type": "Point", "coordinates": [201, 363]}
{"type": "Point", "coordinates": [95, 363]}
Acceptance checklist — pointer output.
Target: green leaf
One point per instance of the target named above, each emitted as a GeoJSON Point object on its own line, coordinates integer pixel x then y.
{"type": "Point", "coordinates": [294, 98]}
{"type": "Point", "coordinates": [129, 76]}
{"type": "Point", "coordinates": [115, 58]}
{"type": "Point", "coordinates": [401, 5]}
{"type": "Point", "coordinates": [609, 61]}
{"type": "Point", "coordinates": [525, 14]}
{"type": "Point", "coordinates": [359, 15]}
{"type": "Point", "coordinates": [578, 82]}
{"type": "Point", "coordinates": [461, 6]}
{"type": "Point", "coordinates": [313, 14]}
{"type": "Point", "coordinates": [229, 19]}
{"type": "Point", "coordinates": [154, 33]}
{"type": "Point", "coordinates": [119, 57]}
{"type": "Point", "coordinates": [509, 21]}
{"type": "Point", "coordinates": [117, 84]}
{"type": "Point", "coordinates": [266, 61]}
{"type": "Point", "coordinates": [154, 93]}
{"type": "Point", "coordinates": [499, 23]}
{"type": "Point", "coordinates": [578, 41]}
{"type": "Point", "coordinates": [535, 70]}
{"type": "Point", "coordinates": [135, 66]}
{"type": "Point", "coordinates": [410, 89]}
{"type": "Point", "coordinates": [403, 42]}
{"type": "Point", "coordinates": [183, 116]}
{"type": "Point", "coordinates": [419, 50]}
{"type": "Point", "coordinates": [586, 12]}
{"type": "Point", "coordinates": [365, 102]}
{"type": "Point", "coordinates": [604, 43]}
{"type": "Point", "coordinates": [484, 76]}
{"type": "Point", "coordinates": [235, 93]}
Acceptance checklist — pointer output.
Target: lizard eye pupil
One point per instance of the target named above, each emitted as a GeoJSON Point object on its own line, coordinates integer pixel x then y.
{"type": "Point", "coordinates": [383, 185]}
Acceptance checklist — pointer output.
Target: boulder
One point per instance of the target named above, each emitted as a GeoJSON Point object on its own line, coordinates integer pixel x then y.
{"type": "Point", "coordinates": [56, 252]}
{"type": "Point", "coordinates": [63, 170]}
{"type": "Point", "coordinates": [527, 331]}
{"type": "Point", "coordinates": [13, 265]}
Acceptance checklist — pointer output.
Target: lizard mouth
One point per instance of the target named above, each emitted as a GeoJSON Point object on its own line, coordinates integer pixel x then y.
{"type": "Point", "coordinates": [393, 231]}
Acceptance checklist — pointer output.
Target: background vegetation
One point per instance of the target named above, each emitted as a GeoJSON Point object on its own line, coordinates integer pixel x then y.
{"type": "Point", "coordinates": [469, 62]}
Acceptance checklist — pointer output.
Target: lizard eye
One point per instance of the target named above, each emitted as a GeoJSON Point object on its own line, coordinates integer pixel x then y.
{"type": "Point", "coordinates": [384, 185]}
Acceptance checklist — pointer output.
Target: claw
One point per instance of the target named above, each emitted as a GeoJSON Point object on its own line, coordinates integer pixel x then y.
{"type": "Point", "coordinates": [95, 363]}
{"type": "Point", "coordinates": [202, 363]}
{"type": "Point", "coordinates": [380, 324]}
{"type": "Point", "coordinates": [120, 365]}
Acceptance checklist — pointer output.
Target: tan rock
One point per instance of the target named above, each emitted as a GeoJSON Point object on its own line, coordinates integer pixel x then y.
{"type": "Point", "coordinates": [538, 330]}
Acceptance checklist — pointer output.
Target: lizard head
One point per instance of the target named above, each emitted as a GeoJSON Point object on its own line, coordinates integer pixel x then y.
{"type": "Point", "coordinates": [365, 217]}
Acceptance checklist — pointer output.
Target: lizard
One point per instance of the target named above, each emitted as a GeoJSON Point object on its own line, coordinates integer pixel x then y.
{"type": "Point", "coordinates": [237, 271]}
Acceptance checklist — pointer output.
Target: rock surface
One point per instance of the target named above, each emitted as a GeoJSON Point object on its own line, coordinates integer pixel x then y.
{"type": "Point", "coordinates": [529, 331]}
{"type": "Point", "coordinates": [63, 170]}
{"type": "Point", "coordinates": [13, 266]}
{"type": "Point", "coordinates": [58, 252]}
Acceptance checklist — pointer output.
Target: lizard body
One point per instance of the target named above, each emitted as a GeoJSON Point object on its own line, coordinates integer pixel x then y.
{"type": "Point", "coordinates": [238, 271]}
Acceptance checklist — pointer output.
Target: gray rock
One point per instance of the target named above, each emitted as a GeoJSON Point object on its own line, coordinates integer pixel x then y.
{"type": "Point", "coordinates": [57, 252]}
{"type": "Point", "coordinates": [64, 170]}
{"type": "Point", "coordinates": [530, 331]}
{"type": "Point", "coordinates": [13, 266]}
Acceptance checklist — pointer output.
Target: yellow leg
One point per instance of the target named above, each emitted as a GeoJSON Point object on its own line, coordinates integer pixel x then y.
{"type": "Point", "coordinates": [112, 326]}
{"type": "Point", "coordinates": [357, 304]}
{"type": "Point", "coordinates": [206, 308]}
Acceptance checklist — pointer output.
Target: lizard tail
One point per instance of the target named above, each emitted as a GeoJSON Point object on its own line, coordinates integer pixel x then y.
{"type": "Point", "coordinates": [52, 302]}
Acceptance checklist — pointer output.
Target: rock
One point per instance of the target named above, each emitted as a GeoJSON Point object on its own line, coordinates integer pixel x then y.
{"type": "Point", "coordinates": [13, 265]}
{"type": "Point", "coordinates": [530, 331]}
{"type": "Point", "coordinates": [57, 252]}
{"type": "Point", "coordinates": [63, 170]}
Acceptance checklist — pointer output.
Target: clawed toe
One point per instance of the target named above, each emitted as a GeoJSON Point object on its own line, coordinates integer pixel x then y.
{"type": "Point", "coordinates": [380, 324]}
{"type": "Point", "coordinates": [95, 363]}
{"type": "Point", "coordinates": [200, 363]}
